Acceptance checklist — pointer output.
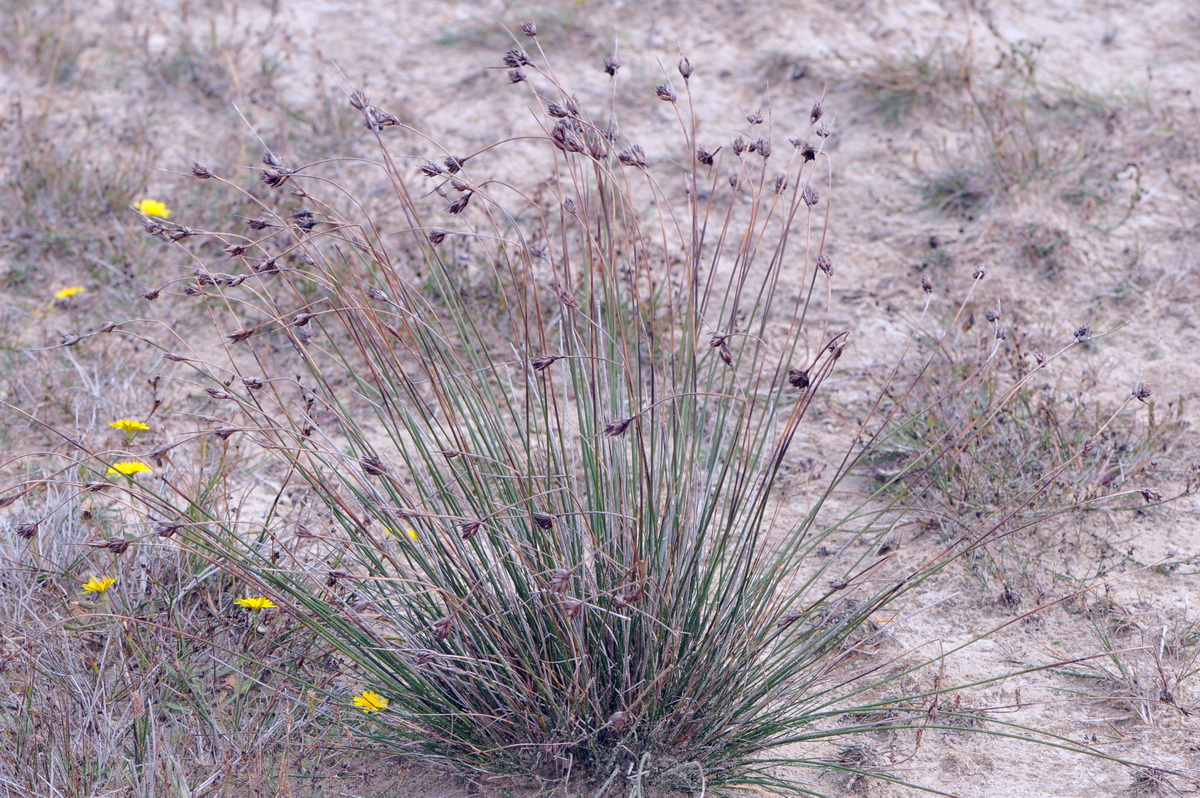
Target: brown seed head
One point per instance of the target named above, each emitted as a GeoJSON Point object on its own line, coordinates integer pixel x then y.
{"type": "Point", "coordinates": [926, 284]}
{"type": "Point", "coordinates": [611, 65]}
{"type": "Point", "coordinates": [634, 156]}
{"type": "Point", "coordinates": [516, 76]}
{"type": "Point", "coordinates": [529, 29]}
{"type": "Point", "coordinates": [27, 531]}
{"type": "Point", "coordinates": [543, 362]}
{"type": "Point", "coordinates": [459, 205]}
{"type": "Point", "coordinates": [614, 429]}
{"type": "Point", "coordinates": [825, 264]}
{"type": "Point", "coordinates": [165, 529]}
{"type": "Point", "coordinates": [544, 520]}
{"type": "Point", "coordinates": [516, 57]}
{"type": "Point", "coordinates": [442, 628]}
{"type": "Point", "coordinates": [1142, 391]}
{"type": "Point", "coordinates": [705, 157]}
{"type": "Point", "coordinates": [763, 147]}
{"type": "Point", "coordinates": [118, 545]}
{"type": "Point", "coordinates": [237, 336]}
{"type": "Point", "coordinates": [781, 184]}
{"type": "Point", "coordinates": [798, 378]}
{"type": "Point", "coordinates": [979, 273]}
{"type": "Point", "coordinates": [685, 68]}
{"type": "Point", "coordinates": [274, 178]}
{"type": "Point", "coordinates": [436, 235]}
{"type": "Point", "coordinates": [560, 582]}
{"type": "Point", "coordinates": [665, 94]}
{"type": "Point", "coordinates": [377, 295]}
{"type": "Point", "coordinates": [1083, 333]}
{"type": "Point", "coordinates": [301, 319]}
{"type": "Point", "coordinates": [755, 117]}
{"type": "Point", "coordinates": [373, 466]}
{"type": "Point", "coordinates": [726, 355]}
{"type": "Point", "coordinates": [151, 295]}
{"type": "Point", "coordinates": [740, 145]}
{"type": "Point", "coordinates": [217, 393]}
{"type": "Point", "coordinates": [810, 196]}
{"type": "Point", "coordinates": [200, 171]}
{"type": "Point", "coordinates": [817, 112]}
{"type": "Point", "coordinates": [431, 169]}
{"type": "Point", "coordinates": [1151, 495]}
{"type": "Point", "coordinates": [468, 529]}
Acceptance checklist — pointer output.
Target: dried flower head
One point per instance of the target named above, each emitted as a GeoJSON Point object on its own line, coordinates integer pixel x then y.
{"type": "Point", "coordinates": [634, 156]}
{"type": "Point", "coordinates": [611, 65]}
{"type": "Point", "coordinates": [151, 207]}
{"type": "Point", "coordinates": [468, 529]}
{"type": "Point", "coordinates": [370, 702]}
{"type": "Point", "coordinates": [543, 362]}
{"type": "Point", "coordinates": [27, 531]}
{"type": "Point", "coordinates": [615, 429]}
{"type": "Point", "coordinates": [516, 76]}
{"type": "Point", "coordinates": [781, 184]}
{"type": "Point", "coordinates": [817, 112]}
{"type": "Point", "coordinates": [1083, 333]}
{"type": "Point", "coordinates": [665, 94]}
{"type": "Point", "coordinates": [810, 196]}
{"type": "Point", "coordinates": [237, 336]}
{"type": "Point", "coordinates": [685, 68]}
{"type": "Point", "coordinates": [1142, 391]}
{"type": "Point", "coordinates": [544, 520]}
{"type": "Point", "coordinates": [117, 545]}
{"type": "Point", "coordinates": [442, 628]}
{"type": "Point", "coordinates": [798, 378]}
{"type": "Point", "coordinates": [979, 273]}
{"type": "Point", "coordinates": [459, 205]}
{"type": "Point", "coordinates": [529, 29]}
{"type": "Point", "coordinates": [705, 157]}
{"type": "Point", "coordinates": [436, 235]}
{"type": "Point", "coordinates": [825, 264]}
{"type": "Point", "coordinates": [1151, 495]}
{"type": "Point", "coordinates": [200, 171]}
{"type": "Point", "coordinates": [755, 117]}
{"type": "Point", "coordinates": [516, 57]}
{"type": "Point", "coordinates": [926, 284]}
{"type": "Point", "coordinates": [373, 466]}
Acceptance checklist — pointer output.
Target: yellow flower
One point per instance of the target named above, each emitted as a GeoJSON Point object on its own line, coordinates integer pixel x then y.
{"type": "Point", "coordinates": [129, 425]}
{"type": "Point", "coordinates": [370, 701]}
{"type": "Point", "coordinates": [129, 468]}
{"type": "Point", "coordinates": [152, 207]}
{"type": "Point", "coordinates": [69, 292]}
{"type": "Point", "coordinates": [408, 530]}
{"type": "Point", "coordinates": [98, 585]}
{"type": "Point", "coordinates": [255, 603]}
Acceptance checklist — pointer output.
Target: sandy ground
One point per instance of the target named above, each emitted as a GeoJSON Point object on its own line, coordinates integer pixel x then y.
{"type": "Point", "coordinates": [1135, 62]}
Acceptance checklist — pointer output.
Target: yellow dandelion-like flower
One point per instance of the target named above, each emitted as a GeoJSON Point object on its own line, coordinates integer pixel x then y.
{"type": "Point", "coordinates": [152, 207]}
{"type": "Point", "coordinates": [129, 468]}
{"type": "Point", "coordinates": [99, 584]}
{"type": "Point", "coordinates": [255, 603]}
{"type": "Point", "coordinates": [408, 530]}
{"type": "Point", "coordinates": [68, 292]}
{"type": "Point", "coordinates": [129, 425]}
{"type": "Point", "coordinates": [370, 701]}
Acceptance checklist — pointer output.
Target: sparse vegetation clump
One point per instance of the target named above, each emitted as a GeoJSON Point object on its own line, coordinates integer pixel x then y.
{"type": "Point", "coordinates": [537, 453]}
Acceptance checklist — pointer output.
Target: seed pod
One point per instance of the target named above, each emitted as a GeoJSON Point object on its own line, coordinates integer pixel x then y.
{"type": "Point", "coordinates": [117, 545]}
{"type": "Point", "coordinates": [798, 378]}
{"type": "Point", "coordinates": [442, 628]}
{"type": "Point", "coordinates": [615, 429]}
{"type": "Point", "coordinates": [544, 520]}
{"type": "Point", "coordinates": [611, 65]}
{"type": "Point", "coordinates": [468, 529]}
{"type": "Point", "coordinates": [373, 466]}
{"type": "Point", "coordinates": [27, 531]}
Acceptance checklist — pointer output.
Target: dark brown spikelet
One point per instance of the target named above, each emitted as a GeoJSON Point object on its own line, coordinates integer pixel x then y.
{"type": "Point", "coordinates": [665, 94]}
{"type": "Point", "coordinates": [798, 378]}
{"type": "Point", "coordinates": [634, 156]}
{"type": "Point", "coordinates": [175, 358]}
{"type": "Point", "coordinates": [611, 65]}
{"type": "Point", "coordinates": [544, 520]}
{"type": "Point", "coordinates": [235, 250]}
{"type": "Point", "coordinates": [597, 147]}
{"type": "Point", "coordinates": [516, 57]}
{"type": "Point", "coordinates": [200, 171]}
{"type": "Point", "coordinates": [1150, 495]}
{"type": "Point", "coordinates": [151, 295]}
{"type": "Point", "coordinates": [166, 529]}
{"type": "Point", "coordinates": [454, 163]}
{"type": "Point", "coordinates": [516, 76]}
{"type": "Point", "coordinates": [614, 429]}
{"type": "Point", "coordinates": [543, 362]}
{"type": "Point", "coordinates": [740, 145]}
{"type": "Point", "coordinates": [807, 152]}
{"type": "Point", "coordinates": [755, 117]}
{"type": "Point", "coordinates": [117, 545]}
{"type": "Point", "coordinates": [436, 236]}
{"type": "Point", "coordinates": [685, 68]}
{"type": "Point", "coordinates": [459, 205]}
{"type": "Point", "coordinates": [817, 112]}
{"type": "Point", "coordinates": [442, 628]}
{"type": "Point", "coordinates": [557, 111]}
{"type": "Point", "coordinates": [825, 264]}
{"type": "Point", "coordinates": [468, 529]}
{"type": "Point", "coordinates": [275, 178]}
{"type": "Point", "coordinates": [424, 656]}
{"type": "Point", "coordinates": [810, 196]}
{"type": "Point", "coordinates": [565, 139]}
{"type": "Point", "coordinates": [301, 319]}
{"type": "Point", "coordinates": [926, 284]}
{"type": "Point", "coordinates": [569, 206]}
{"type": "Point", "coordinates": [217, 393]}
{"type": "Point", "coordinates": [258, 223]}
{"type": "Point", "coordinates": [237, 336]}
{"type": "Point", "coordinates": [705, 157]}
{"type": "Point", "coordinates": [763, 147]}
{"type": "Point", "coordinates": [27, 531]}
{"type": "Point", "coordinates": [431, 169]}
{"type": "Point", "coordinates": [529, 29]}
{"type": "Point", "coordinates": [1142, 391]}
{"type": "Point", "coordinates": [726, 355]}
{"type": "Point", "coordinates": [12, 497]}
{"type": "Point", "coordinates": [781, 184]}
{"type": "Point", "coordinates": [1083, 333]}
{"type": "Point", "coordinates": [373, 466]}
{"type": "Point", "coordinates": [979, 273]}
